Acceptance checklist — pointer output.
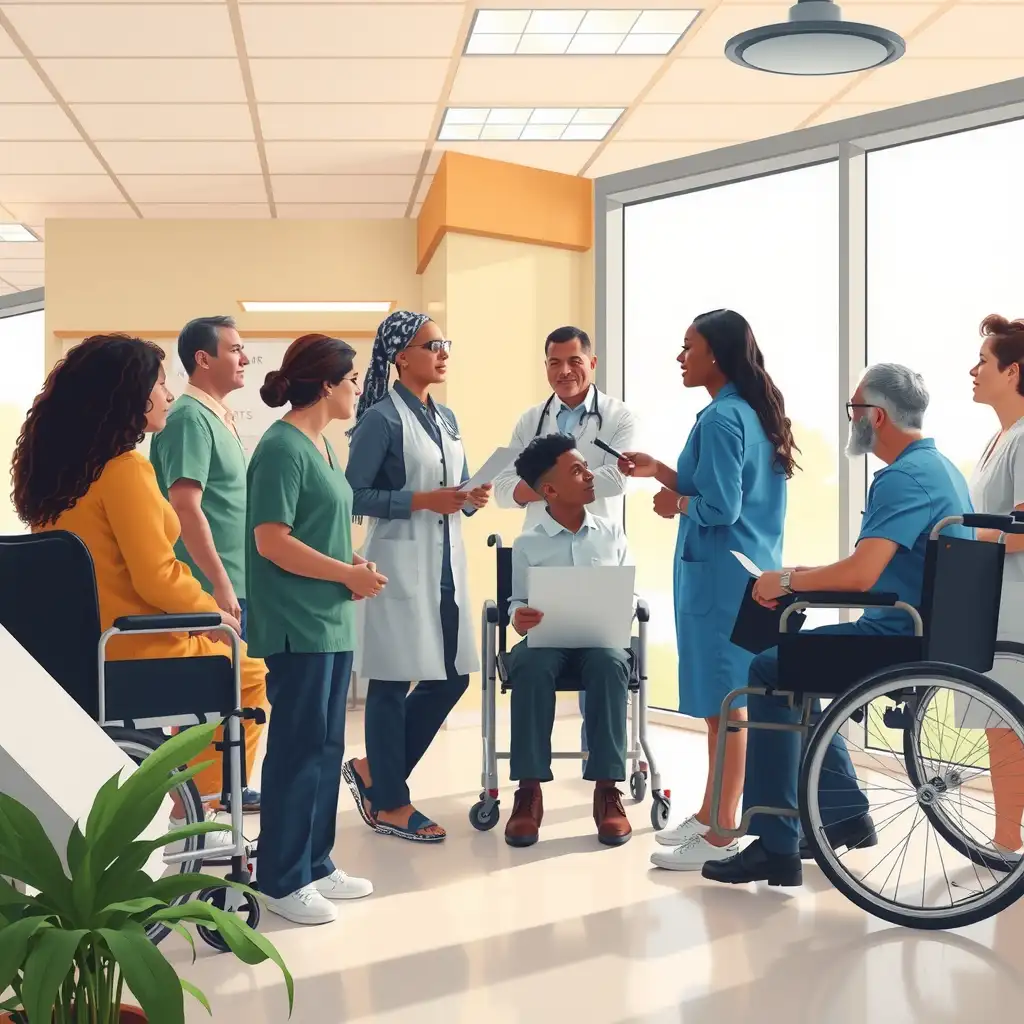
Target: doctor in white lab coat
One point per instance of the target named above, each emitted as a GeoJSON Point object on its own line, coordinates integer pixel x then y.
{"type": "Point", "coordinates": [575, 407]}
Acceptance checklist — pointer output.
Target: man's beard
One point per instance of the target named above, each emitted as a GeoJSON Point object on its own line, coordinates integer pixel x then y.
{"type": "Point", "coordinates": [862, 438]}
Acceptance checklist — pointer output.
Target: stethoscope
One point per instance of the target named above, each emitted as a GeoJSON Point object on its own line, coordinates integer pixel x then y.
{"type": "Point", "coordinates": [594, 410]}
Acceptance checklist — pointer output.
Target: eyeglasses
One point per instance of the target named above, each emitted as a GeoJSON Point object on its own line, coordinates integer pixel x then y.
{"type": "Point", "coordinates": [850, 406]}
{"type": "Point", "coordinates": [435, 346]}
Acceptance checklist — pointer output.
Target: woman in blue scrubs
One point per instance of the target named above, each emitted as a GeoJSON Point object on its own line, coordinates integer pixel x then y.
{"type": "Point", "coordinates": [729, 490]}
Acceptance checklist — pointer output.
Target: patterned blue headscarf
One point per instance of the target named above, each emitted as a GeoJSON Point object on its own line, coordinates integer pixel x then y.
{"type": "Point", "coordinates": [393, 335]}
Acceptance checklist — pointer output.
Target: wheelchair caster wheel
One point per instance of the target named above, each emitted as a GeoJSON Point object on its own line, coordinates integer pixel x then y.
{"type": "Point", "coordinates": [483, 817]}
{"type": "Point", "coordinates": [660, 811]}
{"type": "Point", "coordinates": [242, 903]}
{"type": "Point", "coordinates": [638, 786]}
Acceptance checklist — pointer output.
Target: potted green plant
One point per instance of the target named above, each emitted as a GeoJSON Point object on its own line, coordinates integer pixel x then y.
{"type": "Point", "coordinates": [69, 950]}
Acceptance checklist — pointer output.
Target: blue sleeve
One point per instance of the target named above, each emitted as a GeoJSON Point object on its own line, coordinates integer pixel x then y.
{"type": "Point", "coordinates": [520, 570]}
{"type": "Point", "coordinates": [372, 440]}
{"type": "Point", "coordinates": [718, 477]}
{"type": "Point", "coordinates": [899, 510]}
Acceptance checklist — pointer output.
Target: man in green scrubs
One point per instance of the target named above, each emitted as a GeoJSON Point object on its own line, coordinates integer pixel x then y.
{"type": "Point", "coordinates": [200, 465]}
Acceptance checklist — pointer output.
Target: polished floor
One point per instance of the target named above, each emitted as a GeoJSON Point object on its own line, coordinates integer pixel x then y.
{"type": "Point", "coordinates": [471, 930]}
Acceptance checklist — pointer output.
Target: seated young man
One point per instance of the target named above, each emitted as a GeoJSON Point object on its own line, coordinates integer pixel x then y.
{"type": "Point", "coordinates": [566, 535]}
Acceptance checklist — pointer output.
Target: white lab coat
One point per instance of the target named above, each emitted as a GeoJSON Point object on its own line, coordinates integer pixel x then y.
{"type": "Point", "coordinates": [401, 627]}
{"type": "Point", "coordinates": [618, 430]}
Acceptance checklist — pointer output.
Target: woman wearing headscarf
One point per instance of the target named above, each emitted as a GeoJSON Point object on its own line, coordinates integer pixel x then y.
{"type": "Point", "coordinates": [406, 464]}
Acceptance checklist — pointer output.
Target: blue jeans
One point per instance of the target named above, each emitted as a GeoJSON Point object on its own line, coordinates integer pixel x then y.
{"type": "Point", "coordinates": [773, 761]}
{"type": "Point", "coordinates": [302, 768]}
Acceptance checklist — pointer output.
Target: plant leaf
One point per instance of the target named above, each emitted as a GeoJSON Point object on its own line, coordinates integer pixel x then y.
{"type": "Point", "coordinates": [135, 906]}
{"type": "Point", "coordinates": [150, 977]}
{"type": "Point", "coordinates": [47, 968]}
{"type": "Point", "coordinates": [186, 935]}
{"type": "Point", "coordinates": [14, 941]}
{"type": "Point", "coordinates": [24, 841]}
{"type": "Point", "coordinates": [173, 887]}
{"type": "Point", "coordinates": [196, 994]}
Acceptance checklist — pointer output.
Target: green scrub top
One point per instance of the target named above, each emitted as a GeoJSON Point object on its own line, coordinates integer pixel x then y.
{"type": "Point", "coordinates": [197, 445]}
{"type": "Point", "coordinates": [290, 482]}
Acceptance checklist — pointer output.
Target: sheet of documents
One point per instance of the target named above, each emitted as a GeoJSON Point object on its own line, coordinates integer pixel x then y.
{"type": "Point", "coordinates": [490, 469]}
{"type": "Point", "coordinates": [583, 606]}
{"type": "Point", "coordinates": [747, 564]}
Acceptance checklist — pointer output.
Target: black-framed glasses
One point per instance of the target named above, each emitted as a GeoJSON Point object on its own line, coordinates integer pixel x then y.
{"type": "Point", "coordinates": [850, 406]}
{"type": "Point", "coordinates": [435, 346]}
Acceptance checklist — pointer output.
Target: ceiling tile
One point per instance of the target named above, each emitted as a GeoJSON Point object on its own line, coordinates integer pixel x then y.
{"type": "Point", "coordinates": [205, 211]}
{"type": "Point", "coordinates": [342, 188]}
{"type": "Point", "coordinates": [909, 80]}
{"type": "Point", "coordinates": [21, 280]}
{"type": "Point", "coordinates": [123, 30]}
{"type": "Point", "coordinates": [842, 111]}
{"type": "Point", "coordinates": [340, 211]}
{"type": "Point", "coordinates": [83, 80]}
{"type": "Point", "coordinates": [48, 157]}
{"type": "Point", "coordinates": [342, 30]}
{"type": "Point", "coordinates": [565, 157]}
{"type": "Point", "coordinates": [728, 121]}
{"type": "Point", "coordinates": [7, 289]}
{"type": "Point", "coordinates": [352, 81]}
{"type": "Point", "coordinates": [975, 31]}
{"type": "Point", "coordinates": [728, 19]}
{"type": "Point", "coordinates": [690, 79]}
{"type": "Point", "coordinates": [20, 84]}
{"type": "Point", "coordinates": [22, 266]}
{"type": "Point", "coordinates": [160, 121]}
{"type": "Point", "coordinates": [625, 156]}
{"type": "Point", "coordinates": [551, 82]}
{"type": "Point", "coordinates": [7, 47]}
{"type": "Point", "coordinates": [194, 188]}
{"type": "Point", "coordinates": [434, 160]}
{"type": "Point", "coordinates": [428, 180]}
{"type": "Point", "coordinates": [21, 250]}
{"type": "Point", "coordinates": [344, 157]}
{"type": "Point", "coordinates": [57, 188]}
{"type": "Point", "coordinates": [346, 120]}
{"type": "Point", "coordinates": [35, 214]}
{"type": "Point", "coordinates": [181, 157]}
{"type": "Point", "coordinates": [35, 121]}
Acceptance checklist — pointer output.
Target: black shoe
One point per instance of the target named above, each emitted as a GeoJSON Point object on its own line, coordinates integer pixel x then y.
{"type": "Point", "coordinates": [756, 864]}
{"type": "Point", "coordinates": [854, 834]}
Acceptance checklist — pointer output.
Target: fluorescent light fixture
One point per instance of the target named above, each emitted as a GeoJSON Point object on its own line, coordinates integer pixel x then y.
{"type": "Point", "coordinates": [16, 233]}
{"type": "Point", "coordinates": [577, 32]}
{"type": "Point", "coordinates": [316, 307]}
{"type": "Point", "coordinates": [484, 124]}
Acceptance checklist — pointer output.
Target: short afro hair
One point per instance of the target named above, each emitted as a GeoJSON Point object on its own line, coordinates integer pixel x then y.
{"type": "Point", "coordinates": [540, 455]}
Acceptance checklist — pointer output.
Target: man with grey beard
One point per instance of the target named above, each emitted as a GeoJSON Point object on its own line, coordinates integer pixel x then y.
{"type": "Point", "coordinates": [916, 488]}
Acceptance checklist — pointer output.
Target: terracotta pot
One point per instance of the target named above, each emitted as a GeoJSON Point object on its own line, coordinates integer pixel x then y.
{"type": "Point", "coordinates": [129, 1015]}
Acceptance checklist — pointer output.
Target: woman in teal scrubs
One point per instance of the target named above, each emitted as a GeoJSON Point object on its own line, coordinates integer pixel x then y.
{"type": "Point", "coordinates": [729, 490]}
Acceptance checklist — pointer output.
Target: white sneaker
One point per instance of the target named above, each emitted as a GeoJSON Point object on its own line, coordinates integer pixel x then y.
{"type": "Point", "coordinates": [693, 854]}
{"type": "Point", "coordinates": [211, 840]}
{"type": "Point", "coordinates": [678, 835]}
{"type": "Point", "coordinates": [304, 906]}
{"type": "Point", "coordinates": [339, 886]}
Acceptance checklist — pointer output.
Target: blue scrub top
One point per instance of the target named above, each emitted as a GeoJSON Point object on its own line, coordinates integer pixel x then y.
{"type": "Point", "coordinates": [906, 500]}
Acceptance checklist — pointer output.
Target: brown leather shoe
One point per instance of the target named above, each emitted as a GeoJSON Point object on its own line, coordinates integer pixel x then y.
{"type": "Point", "coordinates": [527, 814]}
{"type": "Point", "coordinates": [613, 828]}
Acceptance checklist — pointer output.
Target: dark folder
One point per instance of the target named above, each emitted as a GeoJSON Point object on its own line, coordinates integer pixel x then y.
{"type": "Point", "coordinates": [757, 628]}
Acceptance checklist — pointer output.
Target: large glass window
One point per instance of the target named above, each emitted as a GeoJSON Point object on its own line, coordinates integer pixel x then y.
{"type": "Point", "coordinates": [767, 247]}
{"type": "Point", "coordinates": [23, 358]}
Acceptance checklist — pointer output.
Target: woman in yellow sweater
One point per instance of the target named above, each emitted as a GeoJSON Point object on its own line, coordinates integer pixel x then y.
{"type": "Point", "coordinates": [76, 468]}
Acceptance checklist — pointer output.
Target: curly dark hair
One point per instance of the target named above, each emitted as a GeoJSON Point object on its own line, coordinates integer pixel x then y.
{"type": "Point", "coordinates": [538, 458]}
{"type": "Point", "coordinates": [92, 408]}
{"type": "Point", "coordinates": [733, 345]}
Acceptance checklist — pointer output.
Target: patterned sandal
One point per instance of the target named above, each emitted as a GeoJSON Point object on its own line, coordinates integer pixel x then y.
{"type": "Point", "coordinates": [359, 794]}
{"type": "Point", "coordinates": [417, 821]}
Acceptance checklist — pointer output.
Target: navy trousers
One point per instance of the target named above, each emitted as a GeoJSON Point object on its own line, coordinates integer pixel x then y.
{"type": "Point", "coordinates": [302, 768]}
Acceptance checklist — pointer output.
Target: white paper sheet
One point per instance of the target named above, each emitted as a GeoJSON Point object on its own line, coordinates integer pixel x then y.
{"type": "Point", "coordinates": [490, 469]}
{"type": "Point", "coordinates": [589, 606]}
{"type": "Point", "coordinates": [747, 564]}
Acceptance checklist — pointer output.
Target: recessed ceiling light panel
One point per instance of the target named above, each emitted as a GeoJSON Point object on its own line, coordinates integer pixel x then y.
{"type": "Point", "coordinates": [815, 41]}
{"type": "Point", "coordinates": [16, 233]}
{"type": "Point", "coordinates": [577, 32]}
{"type": "Point", "coordinates": [484, 124]}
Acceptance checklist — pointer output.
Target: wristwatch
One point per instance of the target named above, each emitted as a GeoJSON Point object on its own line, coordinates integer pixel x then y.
{"type": "Point", "coordinates": [784, 581]}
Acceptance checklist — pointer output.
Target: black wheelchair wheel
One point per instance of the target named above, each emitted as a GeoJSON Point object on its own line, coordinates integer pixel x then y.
{"type": "Point", "coordinates": [856, 871]}
{"type": "Point", "coordinates": [483, 817]}
{"type": "Point", "coordinates": [138, 745]}
{"type": "Point", "coordinates": [920, 768]}
{"type": "Point", "coordinates": [241, 903]}
{"type": "Point", "coordinates": [638, 786]}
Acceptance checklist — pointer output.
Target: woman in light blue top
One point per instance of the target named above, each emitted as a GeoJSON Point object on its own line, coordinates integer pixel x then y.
{"type": "Point", "coordinates": [729, 490]}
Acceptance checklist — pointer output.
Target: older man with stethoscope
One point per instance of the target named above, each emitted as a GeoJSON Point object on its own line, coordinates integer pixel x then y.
{"type": "Point", "coordinates": [575, 407]}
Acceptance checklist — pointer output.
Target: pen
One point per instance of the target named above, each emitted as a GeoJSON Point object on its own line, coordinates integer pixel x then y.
{"type": "Point", "coordinates": [607, 448]}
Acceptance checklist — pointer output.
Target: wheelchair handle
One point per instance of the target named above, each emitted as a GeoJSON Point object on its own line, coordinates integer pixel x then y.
{"type": "Point", "coordinates": [494, 540]}
{"type": "Point", "coordinates": [981, 521]}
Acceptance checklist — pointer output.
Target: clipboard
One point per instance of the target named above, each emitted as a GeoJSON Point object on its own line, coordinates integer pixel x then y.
{"type": "Point", "coordinates": [757, 628]}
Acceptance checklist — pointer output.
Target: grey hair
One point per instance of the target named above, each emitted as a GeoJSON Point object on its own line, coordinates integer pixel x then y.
{"type": "Point", "coordinates": [899, 391]}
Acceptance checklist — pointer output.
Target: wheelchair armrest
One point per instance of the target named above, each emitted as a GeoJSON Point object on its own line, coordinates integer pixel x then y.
{"type": "Point", "coordinates": [847, 598]}
{"type": "Point", "coordinates": [643, 611]}
{"type": "Point", "coordinates": [492, 613]}
{"type": "Point", "coordinates": [168, 623]}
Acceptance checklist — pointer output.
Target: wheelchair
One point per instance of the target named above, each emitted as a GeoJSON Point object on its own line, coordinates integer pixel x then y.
{"type": "Point", "coordinates": [48, 603]}
{"type": "Point", "coordinates": [905, 694]}
{"type": "Point", "coordinates": [485, 813]}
